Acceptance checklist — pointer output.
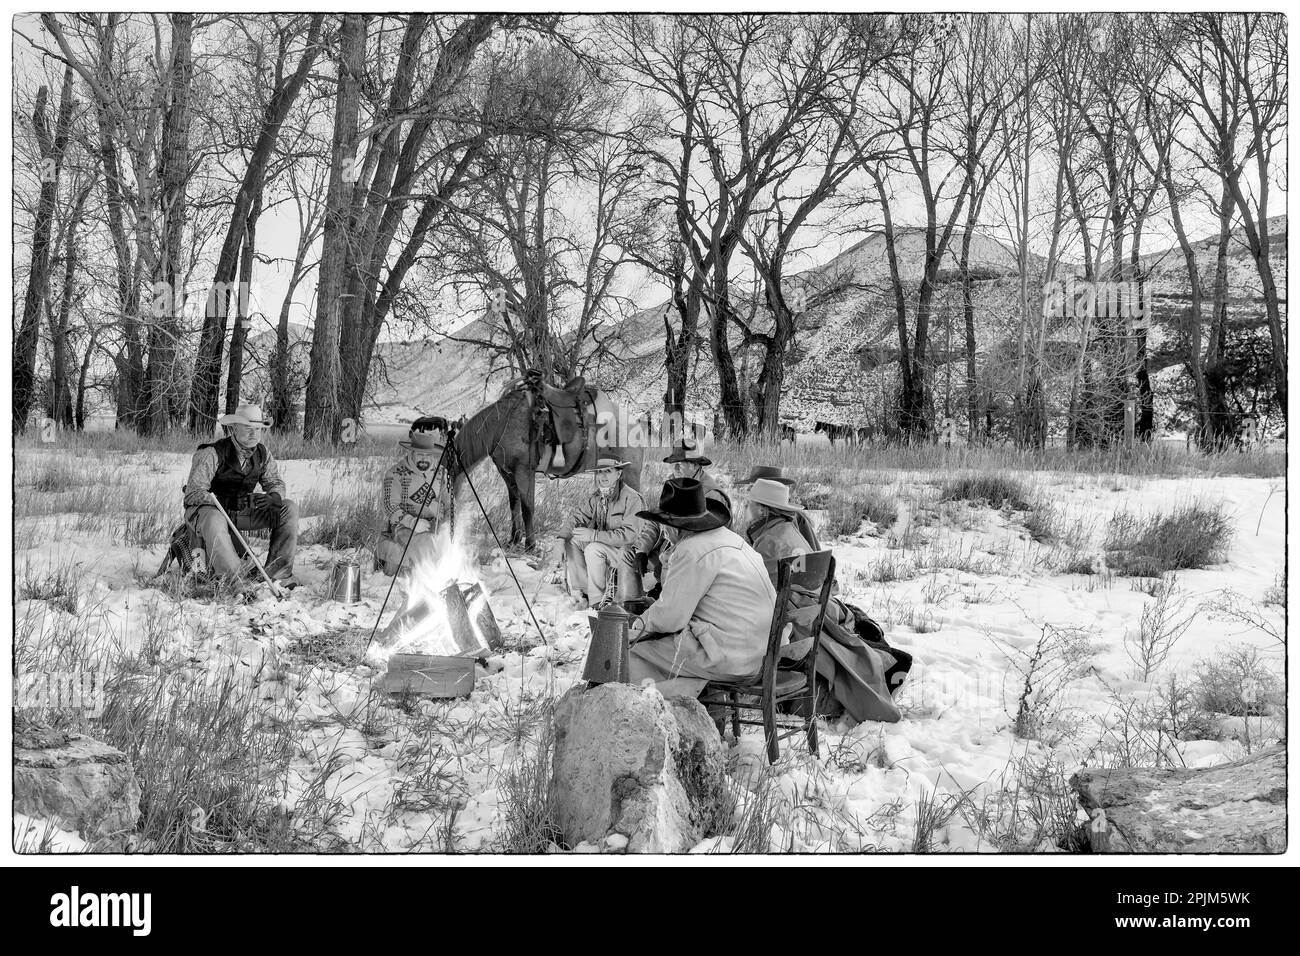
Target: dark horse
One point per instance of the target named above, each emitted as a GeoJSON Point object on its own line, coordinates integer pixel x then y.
{"type": "Point", "coordinates": [539, 429]}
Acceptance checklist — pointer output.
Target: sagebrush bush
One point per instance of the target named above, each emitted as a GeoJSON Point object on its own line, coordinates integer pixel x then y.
{"type": "Point", "coordinates": [1237, 682]}
{"type": "Point", "coordinates": [996, 488]}
{"type": "Point", "coordinates": [844, 515]}
{"type": "Point", "coordinates": [1189, 536]}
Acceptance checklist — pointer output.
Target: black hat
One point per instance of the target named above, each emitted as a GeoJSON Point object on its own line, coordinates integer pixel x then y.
{"type": "Point", "coordinates": [770, 472]}
{"type": "Point", "coordinates": [682, 504]}
{"type": "Point", "coordinates": [688, 450]}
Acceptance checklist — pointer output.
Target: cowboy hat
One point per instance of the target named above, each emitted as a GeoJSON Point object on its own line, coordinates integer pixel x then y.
{"type": "Point", "coordinates": [770, 472]}
{"type": "Point", "coordinates": [682, 504]}
{"type": "Point", "coordinates": [773, 494]}
{"type": "Point", "coordinates": [608, 464]}
{"type": "Point", "coordinates": [246, 415]}
{"type": "Point", "coordinates": [425, 441]}
{"type": "Point", "coordinates": [687, 451]}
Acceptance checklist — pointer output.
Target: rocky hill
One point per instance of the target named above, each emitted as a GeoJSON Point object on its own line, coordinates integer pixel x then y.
{"type": "Point", "coordinates": [845, 344]}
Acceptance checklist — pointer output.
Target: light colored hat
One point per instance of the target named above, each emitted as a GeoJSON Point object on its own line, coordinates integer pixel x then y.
{"type": "Point", "coordinates": [773, 494]}
{"type": "Point", "coordinates": [425, 441]}
{"type": "Point", "coordinates": [609, 464]}
{"type": "Point", "coordinates": [246, 415]}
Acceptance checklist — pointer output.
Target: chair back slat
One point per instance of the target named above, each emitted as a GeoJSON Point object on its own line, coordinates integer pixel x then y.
{"type": "Point", "coordinates": [810, 572]}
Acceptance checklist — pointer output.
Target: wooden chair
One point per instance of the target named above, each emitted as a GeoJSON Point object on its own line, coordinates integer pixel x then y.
{"type": "Point", "coordinates": [786, 674]}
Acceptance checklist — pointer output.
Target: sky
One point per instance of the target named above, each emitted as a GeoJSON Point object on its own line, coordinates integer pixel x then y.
{"type": "Point", "coordinates": [278, 232]}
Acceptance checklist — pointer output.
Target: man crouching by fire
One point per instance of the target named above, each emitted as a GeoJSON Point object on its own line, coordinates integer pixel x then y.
{"type": "Point", "coordinates": [414, 500]}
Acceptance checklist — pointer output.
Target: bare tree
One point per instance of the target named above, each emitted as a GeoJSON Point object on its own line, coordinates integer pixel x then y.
{"type": "Point", "coordinates": [285, 87]}
{"type": "Point", "coordinates": [53, 143]}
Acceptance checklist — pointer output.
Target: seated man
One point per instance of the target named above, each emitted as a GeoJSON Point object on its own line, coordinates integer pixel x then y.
{"type": "Point", "coordinates": [712, 620]}
{"type": "Point", "coordinates": [597, 538]}
{"type": "Point", "coordinates": [771, 472]}
{"type": "Point", "coordinates": [414, 499]}
{"type": "Point", "coordinates": [231, 468]}
{"type": "Point", "coordinates": [861, 670]}
{"type": "Point", "coordinates": [688, 462]}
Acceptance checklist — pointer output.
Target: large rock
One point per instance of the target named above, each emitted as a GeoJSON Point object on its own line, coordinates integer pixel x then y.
{"type": "Point", "coordinates": [1237, 807]}
{"type": "Point", "coordinates": [77, 781]}
{"type": "Point", "coordinates": [630, 764]}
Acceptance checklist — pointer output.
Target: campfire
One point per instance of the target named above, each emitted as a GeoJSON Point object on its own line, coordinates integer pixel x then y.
{"type": "Point", "coordinates": [446, 612]}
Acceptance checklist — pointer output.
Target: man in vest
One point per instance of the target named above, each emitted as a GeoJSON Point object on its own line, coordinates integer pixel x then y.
{"type": "Point", "coordinates": [231, 468]}
{"type": "Point", "coordinates": [597, 539]}
{"type": "Point", "coordinates": [414, 498]}
{"type": "Point", "coordinates": [688, 462]}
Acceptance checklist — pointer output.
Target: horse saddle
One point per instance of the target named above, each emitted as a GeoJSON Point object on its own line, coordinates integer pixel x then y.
{"type": "Point", "coordinates": [560, 414]}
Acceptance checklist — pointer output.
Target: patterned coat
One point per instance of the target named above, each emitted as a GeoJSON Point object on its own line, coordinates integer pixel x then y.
{"type": "Point", "coordinates": [406, 489]}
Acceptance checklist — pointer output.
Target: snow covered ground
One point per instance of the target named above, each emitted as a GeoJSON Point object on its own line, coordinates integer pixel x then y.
{"type": "Point", "coordinates": [963, 587]}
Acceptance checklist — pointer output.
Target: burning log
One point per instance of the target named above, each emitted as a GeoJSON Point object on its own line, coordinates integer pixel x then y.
{"type": "Point", "coordinates": [458, 620]}
{"type": "Point", "coordinates": [429, 676]}
{"type": "Point", "coordinates": [467, 641]}
{"type": "Point", "coordinates": [484, 621]}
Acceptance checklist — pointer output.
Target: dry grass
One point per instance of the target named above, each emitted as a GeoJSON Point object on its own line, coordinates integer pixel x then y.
{"type": "Point", "coordinates": [1188, 536]}
{"type": "Point", "coordinates": [1159, 460]}
{"type": "Point", "coordinates": [997, 489]}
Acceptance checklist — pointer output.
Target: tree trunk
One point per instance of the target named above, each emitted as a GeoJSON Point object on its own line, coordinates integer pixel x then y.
{"type": "Point", "coordinates": [52, 148]}
{"type": "Point", "coordinates": [678, 350]}
{"type": "Point", "coordinates": [729, 394]}
{"type": "Point", "coordinates": [235, 375]}
{"type": "Point", "coordinates": [1220, 428]}
{"type": "Point", "coordinates": [61, 401]}
{"type": "Point", "coordinates": [204, 388]}
{"type": "Point", "coordinates": [283, 412]}
{"type": "Point", "coordinates": [173, 174]}
{"type": "Point", "coordinates": [968, 316]}
{"type": "Point", "coordinates": [129, 360]}
{"type": "Point", "coordinates": [1257, 239]}
{"type": "Point", "coordinates": [321, 415]}
{"type": "Point", "coordinates": [905, 370]}
{"type": "Point", "coordinates": [80, 414]}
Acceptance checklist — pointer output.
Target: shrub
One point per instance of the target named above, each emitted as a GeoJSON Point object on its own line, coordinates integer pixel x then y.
{"type": "Point", "coordinates": [58, 585]}
{"type": "Point", "coordinates": [998, 489]}
{"type": "Point", "coordinates": [1237, 683]}
{"type": "Point", "coordinates": [1164, 621]}
{"type": "Point", "coordinates": [1190, 536]}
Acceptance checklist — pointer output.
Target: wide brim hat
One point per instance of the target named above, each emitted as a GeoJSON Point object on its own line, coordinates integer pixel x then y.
{"type": "Point", "coordinates": [250, 415]}
{"type": "Point", "coordinates": [773, 494]}
{"type": "Point", "coordinates": [688, 451]}
{"type": "Point", "coordinates": [683, 504]}
{"type": "Point", "coordinates": [425, 441]}
{"type": "Point", "coordinates": [770, 472]}
{"type": "Point", "coordinates": [608, 464]}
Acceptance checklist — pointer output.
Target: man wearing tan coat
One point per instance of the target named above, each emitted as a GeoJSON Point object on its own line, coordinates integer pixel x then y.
{"type": "Point", "coordinates": [712, 620]}
{"type": "Point", "coordinates": [597, 539]}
